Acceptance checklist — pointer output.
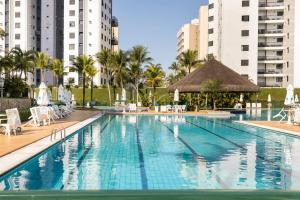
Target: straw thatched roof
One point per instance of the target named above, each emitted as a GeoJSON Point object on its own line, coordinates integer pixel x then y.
{"type": "Point", "coordinates": [214, 70]}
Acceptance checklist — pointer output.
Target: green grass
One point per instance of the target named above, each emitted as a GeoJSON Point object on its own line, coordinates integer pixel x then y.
{"type": "Point", "coordinates": [149, 195]}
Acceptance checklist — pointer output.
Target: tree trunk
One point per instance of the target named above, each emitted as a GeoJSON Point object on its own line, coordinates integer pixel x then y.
{"type": "Point", "coordinates": [108, 87]}
{"type": "Point", "coordinates": [92, 93]}
{"type": "Point", "coordinates": [137, 93]}
{"type": "Point", "coordinates": [83, 90]}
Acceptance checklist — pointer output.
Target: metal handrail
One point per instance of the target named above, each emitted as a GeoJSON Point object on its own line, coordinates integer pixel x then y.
{"type": "Point", "coordinates": [55, 131]}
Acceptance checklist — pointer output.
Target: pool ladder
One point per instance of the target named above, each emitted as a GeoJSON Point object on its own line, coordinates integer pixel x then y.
{"type": "Point", "coordinates": [56, 131]}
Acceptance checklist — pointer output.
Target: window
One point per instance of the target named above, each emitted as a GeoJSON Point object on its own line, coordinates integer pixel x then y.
{"type": "Point", "coordinates": [279, 39]}
{"type": "Point", "coordinates": [71, 35]}
{"type": "Point", "coordinates": [17, 25]}
{"type": "Point", "coordinates": [245, 18]}
{"type": "Point", "coordinates": [279, 53]}
{"type": "Point", "coordinates": [72, 13]}
{"type": "Point", "coordinates": [72, 24]}
{"type": "Point", "coordinates": [245, 62]}
{"type": "Point", "coordinates": [211, 6]}
{"type": "Point", "coordinates": [71, 46]}
{"type": "Point", "coordinates": [210, 31]}
{"type": "Point", "coordinates": [211, 43]}
{"type": "Point", "coordinates": [245, 47]}
{"type": "Point", "coordinates": [17, 15]}
{"type": "Point", "coordinates": [279, 66]}
{"type": "Point", "coordinates": [245, 33]}
{"type": "Point", "coordinates": [72, 2]}
{"type": "Point", "coordinates": [71, 58]}
{"type": "Point", "coordinates": [280, 13]}
{"type": "Point", "coordinates": [211, 18]}
{"type": "Point", "coordinates": [245, 3]}
{"type": "Point", "coordinates": [279, 79]}
{"type": "Point", "coordinates": [17, 36]}
{"type": "Point", "coordinates": [287, 64]}
{"type": "Point", "coordinates": [17, 3]}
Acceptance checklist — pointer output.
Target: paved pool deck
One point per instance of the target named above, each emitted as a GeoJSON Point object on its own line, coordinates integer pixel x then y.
{"type": "Point", "coordinates": [30, 134]}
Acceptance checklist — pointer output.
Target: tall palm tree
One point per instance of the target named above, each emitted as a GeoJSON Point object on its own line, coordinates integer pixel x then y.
{"type": "Point", "coordinates": [189, 60]}
{"type": "Point", "coordinates": [6, 65]}
{"type": "Point", "coordinates": [104, 58]}
{"type": "Point", "coordinates": [154, 75]}
{"type": "Point", "coordinates": [22, 61]}
{"type": "Point", "coordinates": [42, 61]}
{"type": "Point", "coordinates": [91, 73]}
{"type": "Point", "coordinates": [57, 68]}
{"type": "Point", "coordinates": [120, 60]}
{"type": "Point", "coordinates": [138, 57]}
{"type": "Point", "coordinates": [81, 64]}
{"type": "Point", "coordinates": [175, 67]}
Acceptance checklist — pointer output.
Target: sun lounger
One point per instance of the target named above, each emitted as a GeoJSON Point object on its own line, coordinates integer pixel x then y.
{"type": "Point", "coordinates": [253, 105]}
{"type": "Point", "coordinates": [297, 116]}
{"type": "Point", "coordinates": [13, 123]}
{"type": "Point", "coordinates": [248, 105]}
{"type": "Point", "coordinates": [132, 107]}
{"type": "Point", "coordinates": [282, 115]}
{"type": "Point", "coordinates": [163, 109]}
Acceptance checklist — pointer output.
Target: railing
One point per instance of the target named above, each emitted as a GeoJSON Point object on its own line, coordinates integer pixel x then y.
{"type": "Point", "coordinates": [269, 71]}
{"type": "Point", "coordinates": [263, 18]}
{"type": "Point", "coordinates": [263, 84]}
{"type": "Point", "coordinates": [270, 4]}
{"type": "Point", "coordinates": [270, 44]}
{"type": "Point", "coordinates": [262, 58]}
{"type": "Point", "coordinates": [55, 132]}
{"type": "Point", "coordinates": [275, 31]}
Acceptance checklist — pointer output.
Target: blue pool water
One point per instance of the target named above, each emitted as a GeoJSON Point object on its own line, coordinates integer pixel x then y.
{"type": "Point", "coordinates": [163, 152]}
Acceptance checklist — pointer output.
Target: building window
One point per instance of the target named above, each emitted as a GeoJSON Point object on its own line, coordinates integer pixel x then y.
{"type": "Point", "coordinates": [211, 6]}
{"type": "Point", "coordinates": [72, 13]}
{"type": "Point", "coordinates": [211, 43]}
{"type": "Point", "coordinates": [244, 62]}
{"type": "Point", "coordinates": [71, 58]}
{"type": "Point", "coordinates": [245, 47]}
{"type": "Point", "coordinates": [72, 24]}
{"type": "Point", "coordinates": [71, 46]}
{"type": "Point", "coordinates": [17, 3]}
{"type": "Point", "coordinates": [211, 18]}
{"type": "Point", "coordinates": [72, 2]}
{"type": "Point", "coordinates": [245, 18]}
{"type": "Point", "coordinates": [17, 25]}
{"type": "Point", "coordinates": [17, 15]}
{"type": "Point", "coordinates": [71, 35]}
{"type": "Point", "coordinates": [245, 33]}
{"type": "Point", "coordinates": [210, 31]}
{"type": "Point", "coordinates": [245, 3]}
{"type": "Point", "coordinates": [279, 79]}
{"type": "Point", "coordinates": [17, 36]}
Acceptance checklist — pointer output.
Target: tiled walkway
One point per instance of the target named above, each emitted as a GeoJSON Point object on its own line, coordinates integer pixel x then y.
{"type": "Point", "coordinates": [278, 125]}
{"type": "Point", "coordinates": [29, 134]}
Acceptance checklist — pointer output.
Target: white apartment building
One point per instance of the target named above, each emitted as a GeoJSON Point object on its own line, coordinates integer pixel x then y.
{"type": "Point", "coordinates": [2, 26]}
{"type": "Point", "coordinates": [187, 37]}
{"type": "Point", "coordinates": [257, 38]}
{"type": "Point", "coordinates": [203, 33]}
{"type": "Point", "coordinates": [87, 30]}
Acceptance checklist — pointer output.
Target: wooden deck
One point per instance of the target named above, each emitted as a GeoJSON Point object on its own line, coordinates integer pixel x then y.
{"type": "Point", "coordinates": [29, 134]}
{"type": "Point", "coordinates": [277, 125]}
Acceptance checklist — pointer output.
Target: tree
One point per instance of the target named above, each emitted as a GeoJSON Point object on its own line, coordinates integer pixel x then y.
{"type": "Point", "coordinates": [120, 60]}
{"type": "Point", "coordinates": [104, 58]}
{"type": "Point", "coordinates": [57, 68]}
{"type": "Point", "coordinates": [41, 61]}
{"type": "Point", "coordinates": [189, 61]}
{"type": "Point", "coordinates": [213, 87]}
{"type": "Point", "coordinates": [138, 57]}
{"type": "Point", "coordinates": [175, 67]}
{"type": "Point", "coordinates": [154, 75]}
{"type": "Point", "coordinates": [3, 34]}
{"type": "Point", "coordinates": [6, 65]}
{"type": "Point", "coordinates": [81, 64]}
{"type": "Point", "coordinates": [91, 72]}
{"type": "Point", "coordinates": [22, 61]}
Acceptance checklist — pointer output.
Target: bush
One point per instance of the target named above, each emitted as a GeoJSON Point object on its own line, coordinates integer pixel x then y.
{"type": "Point", "coordinates": [24, 114]}
{"type": "Point", "coordinates": [16, 87]}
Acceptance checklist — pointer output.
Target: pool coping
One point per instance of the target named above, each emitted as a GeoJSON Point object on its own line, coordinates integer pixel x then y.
{"type": "Point", "coordinates": [294, 133]}
{"type": "Point", "coordinates": [27, 152]}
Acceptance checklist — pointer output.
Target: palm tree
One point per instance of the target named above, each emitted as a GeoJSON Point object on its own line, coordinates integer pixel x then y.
{"type": "Point", "coordinates": [120, 60]}
{"type": "Point", "coordinates": [138, 57]}
{"type": "Point", "coordinates": [213, 87]}
{"type": "Point", "coordinates": [175, 67]}
{"type": "Point", "coordinates": [42, 62]}
{"type": "Point", "coordinates": [154, 75]}
{"type": "Point", "coordinates": [81, 65]}
{"type": "Point", "coordinates": [57, 68]}
{"type": "Point", "coordinates": [91, 73]}
{"type": "Point", "coordinates": [6, 65]}
{"type": "Point", "coordinates": [104, 58]}
{"type": "Point", "coordinates": [188, 60]}
{"type": "Point", "coordinates": [22, 61]}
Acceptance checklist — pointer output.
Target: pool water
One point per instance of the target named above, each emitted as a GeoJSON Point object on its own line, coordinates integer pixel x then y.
{"type": "Point", "coordinates": [163, 152]}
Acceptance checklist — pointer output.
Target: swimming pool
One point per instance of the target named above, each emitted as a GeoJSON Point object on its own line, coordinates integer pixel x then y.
{"type": "Point", "coordinates": [163, 152]}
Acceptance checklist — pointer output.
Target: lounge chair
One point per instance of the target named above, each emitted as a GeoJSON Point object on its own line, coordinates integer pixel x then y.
{"type": "Point", "coordinates": [13, 123]}
{"type": "Point", "coordinates": [170, 108]}
{"type": "Point", "coordinates": [132, 107]}
{"type": "Point", "coordinates": [253, 105]}
{"type": "Point", "coordinates": [258, 105]}
{"type": "Point", "coordinates": [297, 116]}
{"type": "Point", "coordinates": [163, 109]}
{"type": "Point", "coordinates": [248, 105]}
{"type": "Point", "coordinates": [39, 115]}
{"type": "Point", "coordinates": [282, 115]}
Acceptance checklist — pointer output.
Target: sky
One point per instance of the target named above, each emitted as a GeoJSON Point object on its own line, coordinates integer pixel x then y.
{"type": "Point", "coordinates": [154, 24]}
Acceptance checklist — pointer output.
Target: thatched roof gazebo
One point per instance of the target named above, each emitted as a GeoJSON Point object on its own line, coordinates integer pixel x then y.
{"type": "Point", "coordinates": [213, 70]}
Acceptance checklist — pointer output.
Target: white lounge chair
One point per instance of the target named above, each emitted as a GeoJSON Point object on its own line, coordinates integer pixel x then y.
{"type": "Point", "coordinates": [297, 116]}
{"type": "Point", "coordinates": [170, 108]}
{"type": "Point", "coordinates": [132, 107]}
{"type": "Point", "coordinates": [258, 105]}
{"type": "Point", "coordinates": [253, 105]}
{"type": "Point", "coordinates": [13, 123]}
{"type": "Point", "coordinates": [39, 115]}
{"type": "Point", "coordinates": [248, 105]}
{"type": "Point", "coordinates": [282, 115]}
{"type": "Point", "coordinates": [163, 109]}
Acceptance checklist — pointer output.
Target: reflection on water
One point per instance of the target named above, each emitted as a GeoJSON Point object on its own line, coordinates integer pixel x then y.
{"type": "Point", "coordinates": [164, 152]}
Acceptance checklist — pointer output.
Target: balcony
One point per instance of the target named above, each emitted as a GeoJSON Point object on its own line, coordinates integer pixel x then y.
{"type": "Point", "coordinates": [270, 73]}
{"type": "Point", "coordinates": [271, 5]}
{"type": "Point", "coordinates": [114, 41]}
{"type": "Point", "coordinates": [114, 22]}
{"type": "Point", "coordinates": [262, 58]}
{"type": "Point", "coordinates": [270, 44]}
{"type": "Point", "coordinates": [264, 84]}
{"type": "Point", "coordinates": [274, 31]}
{"type": "Point", "coordinates": [271, 19]}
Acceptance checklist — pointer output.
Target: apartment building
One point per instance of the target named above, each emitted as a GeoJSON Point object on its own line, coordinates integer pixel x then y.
{"type": "Point", "coordinates": [187, 37]}
{"type": "Point", "coordinates": [203, 33]}
{"type": "Point", "coordinates": [257, 38]}
{"type": "Point", "coordinates": [2, 26]}
{"type": "Point", "coordinates": [115, 35]}
{"type": "Point", "coordinates": [87, 30]}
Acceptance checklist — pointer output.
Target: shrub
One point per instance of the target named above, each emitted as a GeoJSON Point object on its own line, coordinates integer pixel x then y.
{"type": "Point", "coordinates": [24, 114]}
{"type": "Point", "coordinates": [16, 87]}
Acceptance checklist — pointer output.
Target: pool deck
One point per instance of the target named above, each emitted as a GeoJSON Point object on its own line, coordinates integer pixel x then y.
{"type": "Point", "coordinates": [276, 126]}
{"type": "Point", "coordinates": [30, 135]}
